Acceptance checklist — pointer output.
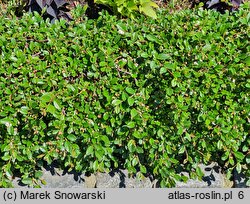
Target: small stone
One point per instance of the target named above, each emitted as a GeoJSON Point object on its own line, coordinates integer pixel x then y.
{"type": "Point", "coordinates": [213, 178]}
{"type": "Point", "coordinates": [56, 178]}
{"type": "Point", "coordinates": [121, 179]}
{"type": "Point", "coordinates": [60, 179]}
{"type": "Point", "coordinates": [90, 181]}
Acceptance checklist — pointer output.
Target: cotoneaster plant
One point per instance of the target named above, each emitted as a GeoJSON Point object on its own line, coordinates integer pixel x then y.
{"type": "Point", "coordinates": [153, 96]}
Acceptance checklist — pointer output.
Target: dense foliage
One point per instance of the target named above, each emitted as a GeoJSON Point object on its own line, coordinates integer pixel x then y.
{"type": "Point", "coordinates": [154, 96]}
{"type": "Point", "coordinates": [130, 7]}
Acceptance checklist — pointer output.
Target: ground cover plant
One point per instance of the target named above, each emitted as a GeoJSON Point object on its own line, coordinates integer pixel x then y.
{"type": "Point", "coordinates": [155, 96]}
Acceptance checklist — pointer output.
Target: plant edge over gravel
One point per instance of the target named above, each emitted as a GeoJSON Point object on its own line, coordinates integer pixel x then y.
{"type": "Point", "coordinates": [152, 96]}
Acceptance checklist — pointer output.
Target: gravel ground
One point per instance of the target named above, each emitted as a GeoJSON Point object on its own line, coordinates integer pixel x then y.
{"type": "Point", "coordinates": [56, 178]}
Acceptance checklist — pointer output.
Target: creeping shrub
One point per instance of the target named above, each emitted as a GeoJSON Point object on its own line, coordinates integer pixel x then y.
{"type": "Point", "coordinates": [152, 96]}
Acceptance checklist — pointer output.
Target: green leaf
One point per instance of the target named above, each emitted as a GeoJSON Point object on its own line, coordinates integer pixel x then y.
{"type": "Point", "coordinates": [131, 146]}
{"type": "Point", "coordinates": [38, 174]}
{"type": "Point", "coordinates": [51, 109]}
{"type": "Point", "coordinates": [143, 169]}
{"type": "Point", "coordinates": [105, 116]}
{"type": "Point", "coordinates": [46, 97]}
{"type": "Point", "coordinates": [229, 175]}
{"type": "Point", "coordinates": [207, 122]}
{"type": "Point", "coordinates": [116, 102]}
{"type": "Point", "coordinates": [56, 105]}
{"type": "Point", "coordinates": [182, 149]}
{"type": "Point", "coordinates": [184, 179]}
{"type": "Point", "coordinates": [174, 83]}
{"type": "Point", "coordinates": [9, 174]}
{"type": "Point", "coordinates": [24, 110]}
{"type": "Point", "coordinates": [95, 165]}
{"type": "Point", "coordinates": [199, 172]}
{"type": "Point", "coordinates": [231, 161]}
{"type": "Point", "coordinates": [134, 161]}
{"type": "Point", "coordinates": [247, 61]}
{"type": "Point", "coordinates": [177, 177]}
{"type": "Point", "coordinates": [174, 161]}
{"type": "Point", "coordinates": [245, 148]}
{"type": "Point", "coordinates": [133, 113]}
{"type": "Point", "coordinates": [160, 132]}
{"type": "Point", "coordinates": [180, 130]}
{"type": "Point", "coordinates": [248, 159]}
{"type": "Point", "coordinates": [152, 38]}
{"type": "Point", "coordinates": [6, 157]}
{"type": "Point", "coordinates": [238, 168]}
{"type": "Point", "coordinates": [103, 64]}
{"type": "Point", "coordinates": [71, 137]}
{"type": "Point", "coordinates": [71, 87]}
{"type": "Point", "coordinates": [139, 150]}
{"type": "Point", "coordinates": [151, 141]}
{"type": "Point", "coordinates": [90, 150]}
{"type": "Point", "coordinates": [248, 182]}
{"type": "Point", "coordinates": [225, 130]}
{"type": "Point", "coordinates": [43, 182]}
{"type": "Point", "coordinates": [131, 124]}
{"type": "Point", "coordinates": [148, 10]}
{"type": "Point", "coordinates": [130, 90]}
{"type": "Point", "coordinates": [124, 96]}
{"type": "Point", "coordinates": [207, 47]}
{"type": "Point", "coordinates": [239, 155]}
{"type": "Point", "coordinates": [121, 27]}
{"type": "Point", "coordinates": [13, 58]}
{"type": "Point", "coordinates": [225, 156]}
{"type": "Point", "coordinates": [6, 148]}
{"type": "Point", "coordinates": [67, 146]}
{"type": "Point", "coordinates": [6, 121]}
{"type": "Point", "coordinates": [163, 56]}
{"type": "Point", "coordinates": [99, 154]}
{"type": "Point", "coordinates": [219, 144]}
{"type": "Point", "coordinates": [188, 137]}
{"type": "Point", "coordinates": [138, 135]}
{"type": "Point", "coordinates": [130, 101]}
{"type": "Point", "coordinates": [27, 181]}
{"type": "Point", "coordinates": [163, 70]}
{"type": "Point", "coordinates": [106, 140]}
{"type": "Point", "coordinates": [153, 4]}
